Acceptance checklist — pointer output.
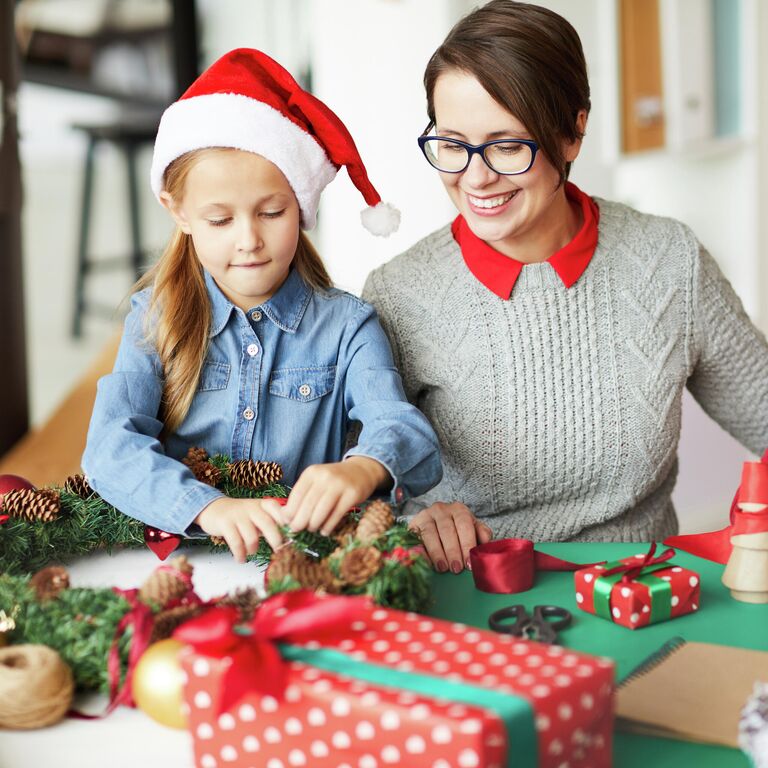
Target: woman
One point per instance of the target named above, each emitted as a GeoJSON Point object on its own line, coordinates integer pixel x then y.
{"type": "Point", "coordinates": [548, 336]}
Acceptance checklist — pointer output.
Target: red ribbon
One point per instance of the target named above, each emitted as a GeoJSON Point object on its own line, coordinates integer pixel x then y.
{"type": "Point", "coordinates": [716, 545]}
{"type": "Point", "coordinates": [510, 565]}
{"type": "Point", "coordinates": [256, 664]}
{"type": "Point", "coordinates": [4, 519]}
{"type": "Point", "coordinates": [141, 618]}
{"type": "Point", "coordinates": [634, 569]}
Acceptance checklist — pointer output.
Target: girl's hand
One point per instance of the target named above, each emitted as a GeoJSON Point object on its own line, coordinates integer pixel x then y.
{"type": "Point", "coordinates": [241, 522]}
{"type": "Point", "coordinates": [324, 493]}
{"type": "Point", "coordinates": [449, 531]}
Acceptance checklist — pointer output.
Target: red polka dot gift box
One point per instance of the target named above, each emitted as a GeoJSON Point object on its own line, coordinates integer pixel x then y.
{"type": "Point", "coordinates": [380, 687]}
{"type": "Point", "coordinates": [639, 590]}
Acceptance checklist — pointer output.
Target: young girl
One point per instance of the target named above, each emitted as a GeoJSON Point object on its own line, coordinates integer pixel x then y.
{"type": "Point", "coordinates": [237, 342]}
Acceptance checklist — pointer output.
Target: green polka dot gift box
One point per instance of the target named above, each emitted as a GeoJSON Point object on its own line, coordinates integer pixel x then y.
{"type": "Point", "coordinates": [639, 590]}
{"type": "Point", "coordinates": [381, 687]}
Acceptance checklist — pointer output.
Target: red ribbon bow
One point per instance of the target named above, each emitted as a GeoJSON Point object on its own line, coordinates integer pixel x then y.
{"type": "Point", "coordinates": [634, 569]}
{"type": "Point", "coordinates": [256, 663]}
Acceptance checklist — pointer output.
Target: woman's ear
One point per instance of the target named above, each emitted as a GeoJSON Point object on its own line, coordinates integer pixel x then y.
{"type": "Point", "coordinates": [572, 148]}
{"type": "Point", "coordinates": [175, 210]}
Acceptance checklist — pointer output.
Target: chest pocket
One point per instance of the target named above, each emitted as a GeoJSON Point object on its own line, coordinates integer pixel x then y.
{"type": "Point", "coordinates": [302, 384]}
{"type": "Point", "coordinates": [214, 376]}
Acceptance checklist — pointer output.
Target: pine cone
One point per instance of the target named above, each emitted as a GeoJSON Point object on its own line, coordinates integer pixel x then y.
{"type": "Point", "coordinates": [254, 474]}
{"type": "Point", "coordinates": [376, 520]}
{"type": "Point", "coordinates": [309, 573]}
{"type": "Point", "coordinates": [166, 621]}
{"type": "Point", "coordinates": [167, 583]}
{"type": "Point", "coordinates": [206, 473]}
{"type": "Point", "coordinates": [246, 600]}
{"type": "Point", "coordinates": [49, 582]}
{"type": "Point", "coordinates": [78, 485]}
{"type": "Point", "coordinates": [195, 456]}
{"type": "Point", "coordinates": [360, 565]}
{"type": "Point", "coordinates": [219, 541]}
{"type": "Point", "coordinates": [32, 505]}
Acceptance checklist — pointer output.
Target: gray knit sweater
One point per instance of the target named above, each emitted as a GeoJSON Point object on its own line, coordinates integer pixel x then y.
{"type": "Point", "coordinates": [558, 411]}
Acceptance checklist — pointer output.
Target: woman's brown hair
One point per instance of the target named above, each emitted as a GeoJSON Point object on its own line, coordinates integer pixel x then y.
{"type": "Point", "coordinates": [530, 60]}
{"type": "Point", "coordinates": [179, 317]}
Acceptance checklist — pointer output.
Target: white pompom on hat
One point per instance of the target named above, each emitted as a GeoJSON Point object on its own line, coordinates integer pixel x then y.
{"type": "Point", "coordinates": [247, 101]}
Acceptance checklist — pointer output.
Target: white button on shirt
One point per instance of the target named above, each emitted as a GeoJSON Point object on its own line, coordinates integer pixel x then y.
{"type": "Point", "coordinates": [248, 414]}
{"type": "Point", "coordinates": [305, 390]}
{"type": "Point", "coordinates": [256, 315]}
{"type": "Point", "coordinates": [252, 350]}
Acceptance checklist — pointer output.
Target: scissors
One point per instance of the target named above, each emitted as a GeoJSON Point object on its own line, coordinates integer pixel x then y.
{"type": "Point", "coordinates": [537, 627]}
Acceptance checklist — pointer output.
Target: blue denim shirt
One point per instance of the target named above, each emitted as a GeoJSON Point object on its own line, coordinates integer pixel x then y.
{"type": "Point", "coordinates": [281, 383]}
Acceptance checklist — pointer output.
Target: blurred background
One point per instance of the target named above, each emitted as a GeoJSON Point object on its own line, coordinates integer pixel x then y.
{"type": "Point", "coordinates": [679, 126]}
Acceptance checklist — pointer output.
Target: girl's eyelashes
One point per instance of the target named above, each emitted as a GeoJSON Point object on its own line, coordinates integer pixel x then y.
{"type": "Point", "coordinates": [264, 214]}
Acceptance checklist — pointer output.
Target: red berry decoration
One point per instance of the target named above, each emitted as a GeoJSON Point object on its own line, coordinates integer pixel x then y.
{"type": "Point", "coordinates": [13, 483]}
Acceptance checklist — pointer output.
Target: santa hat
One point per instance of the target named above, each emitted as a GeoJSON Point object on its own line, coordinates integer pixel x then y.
{"type": "Point", "coordinates": [247, 101]}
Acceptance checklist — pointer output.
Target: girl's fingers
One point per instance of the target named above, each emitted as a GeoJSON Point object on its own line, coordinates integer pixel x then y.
{"type": "Point", "coordinates": [295, 498]}
{"type": "Point", "coordinates": [275, 510]}
{"type": "Point", "coordinates": [344, 504]}
{"type": "Point", "coordinates": [249, 534]}
{"type": "Point", "coordinates": [324, 506]}
{"type": "Point", "coordinates": [270, 530]}
{"type": "Point", "coordinates": [432, 543]}
{"type": "Point", "coordinates": [235, 543]}
{"type": "Point", "coordinates": [316, 497]}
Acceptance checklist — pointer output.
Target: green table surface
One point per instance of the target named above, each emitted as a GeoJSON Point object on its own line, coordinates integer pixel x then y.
{"type": "Point", "coordinates": [720, 619]}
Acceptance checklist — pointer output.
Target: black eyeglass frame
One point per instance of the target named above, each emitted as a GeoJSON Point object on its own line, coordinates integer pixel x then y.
{"type": "Point", "coordinates": [477, 149]}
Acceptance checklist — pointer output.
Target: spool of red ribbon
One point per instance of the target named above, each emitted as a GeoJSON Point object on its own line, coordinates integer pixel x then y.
{"type": "Point", "coordinates": [509, 565]}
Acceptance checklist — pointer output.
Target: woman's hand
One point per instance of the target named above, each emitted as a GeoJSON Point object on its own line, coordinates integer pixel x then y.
{"type": "Point", "coordinates": [324, 493]}
{"type": "Point", "coordinates": [449, 531]}
{"type": "Point", "coordinates": [241, 522]}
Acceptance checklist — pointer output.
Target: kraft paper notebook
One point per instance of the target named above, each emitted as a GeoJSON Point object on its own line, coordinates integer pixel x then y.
{"type": "Point", "coordinates": [691, 691]}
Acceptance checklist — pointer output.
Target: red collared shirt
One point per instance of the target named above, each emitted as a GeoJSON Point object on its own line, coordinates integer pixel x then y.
{"type": "Point", "coordinates": [499, 273]}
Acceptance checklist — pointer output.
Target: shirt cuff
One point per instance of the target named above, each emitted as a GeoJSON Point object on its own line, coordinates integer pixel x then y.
{"type": "Point", "coordinates": [189, 506]}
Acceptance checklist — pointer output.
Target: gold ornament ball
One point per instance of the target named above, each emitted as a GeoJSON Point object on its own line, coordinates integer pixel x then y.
{"type": "Point", "coordinates": [158, 683]}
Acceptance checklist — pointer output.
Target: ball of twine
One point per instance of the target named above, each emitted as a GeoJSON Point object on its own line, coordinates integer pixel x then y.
{"type": "Point", "coordinates": [36, 686]}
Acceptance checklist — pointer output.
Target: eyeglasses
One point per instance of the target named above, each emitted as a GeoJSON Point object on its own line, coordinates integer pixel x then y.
{"type": "Point", "coordinates": [508, 157]}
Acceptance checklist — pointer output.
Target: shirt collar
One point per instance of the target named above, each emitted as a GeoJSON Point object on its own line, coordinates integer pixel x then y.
{"type": "Point", "coordinates": [499, 273]}
{"type": "Point", "coordinates": [285, 309]}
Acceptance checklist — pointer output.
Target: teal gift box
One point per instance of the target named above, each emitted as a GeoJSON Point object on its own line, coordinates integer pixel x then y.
{"type": "Point", "coordinates": [639, 590]}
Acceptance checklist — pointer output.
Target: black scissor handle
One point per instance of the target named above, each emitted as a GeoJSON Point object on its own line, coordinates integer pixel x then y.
{"type": "Point", "coordinates": [562, 616]}
{"type": "Point", "coordinates": [497, 621]}
{"type": "Point", "coordinates": [537, 627]}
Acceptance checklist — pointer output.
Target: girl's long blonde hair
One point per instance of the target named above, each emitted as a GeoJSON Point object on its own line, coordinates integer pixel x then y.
{"type": "Point", "coordinates": [179, 317]}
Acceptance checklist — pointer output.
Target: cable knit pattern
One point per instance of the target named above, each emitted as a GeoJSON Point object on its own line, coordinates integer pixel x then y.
{"type": "Point", "coordinates": [558, 411]}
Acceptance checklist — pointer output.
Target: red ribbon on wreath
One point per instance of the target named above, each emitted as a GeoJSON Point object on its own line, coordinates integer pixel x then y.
{"type": "Point", "coordinates": [256, 663]}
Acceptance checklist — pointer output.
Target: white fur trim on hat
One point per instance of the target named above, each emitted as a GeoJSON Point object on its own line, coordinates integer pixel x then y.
{"type": "Point", "coordinates": [381, 219]}
{"type": "Point", "coordinates": [233, 120]}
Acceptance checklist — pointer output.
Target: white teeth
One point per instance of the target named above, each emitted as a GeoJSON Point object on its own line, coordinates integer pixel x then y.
{"type": "Point", "coordinates": [490, 202]}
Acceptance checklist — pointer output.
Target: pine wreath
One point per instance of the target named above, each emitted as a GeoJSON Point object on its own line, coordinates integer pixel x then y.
{"type": "Point", "coordinates": [57, 525]}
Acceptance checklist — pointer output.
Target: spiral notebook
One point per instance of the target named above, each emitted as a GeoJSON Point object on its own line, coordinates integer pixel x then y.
{"type": "Point", "coordinates": [690, 691]}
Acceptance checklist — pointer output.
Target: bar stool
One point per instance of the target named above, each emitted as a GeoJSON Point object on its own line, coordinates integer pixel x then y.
{"type": "Point", "coordinates": [129, 137]}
